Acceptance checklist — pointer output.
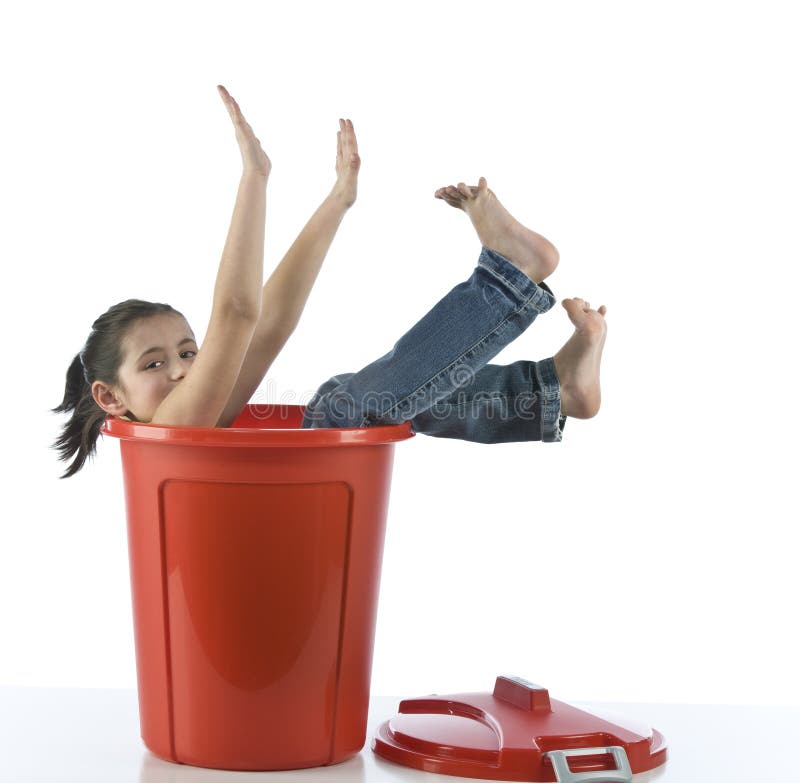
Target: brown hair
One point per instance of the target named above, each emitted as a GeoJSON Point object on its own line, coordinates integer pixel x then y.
{"type": "Point", "coordinates": [99, 360]}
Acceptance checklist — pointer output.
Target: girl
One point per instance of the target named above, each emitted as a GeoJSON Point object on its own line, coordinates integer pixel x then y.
{"type": "Point", "coordinates": [141, 361]}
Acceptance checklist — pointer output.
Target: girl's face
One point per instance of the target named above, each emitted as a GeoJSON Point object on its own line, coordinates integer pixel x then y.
{"type": "Point", "coordinates": [157, 353]}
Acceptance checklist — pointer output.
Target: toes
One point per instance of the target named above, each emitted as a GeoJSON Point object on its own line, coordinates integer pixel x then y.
{"type": "Point", "coordinates": [460, 192]}
{"type": "Point", "coordinates": [450, 195]}
{"type": "Point", "coordinates": [578, 305]}
{"type": "Point", "coordinates": [454, 196]}
{"type": "Point", "coordinates": [576, 308]}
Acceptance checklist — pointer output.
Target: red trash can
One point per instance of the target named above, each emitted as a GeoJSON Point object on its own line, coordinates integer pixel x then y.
{"type": "Point", "coordinates": [255, 555]}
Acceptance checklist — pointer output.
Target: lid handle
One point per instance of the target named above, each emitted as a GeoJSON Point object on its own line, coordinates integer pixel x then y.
{"type": "Point", "coordinates": [523, 694]}
{"type": "Point", "coordinates": [622, 774]}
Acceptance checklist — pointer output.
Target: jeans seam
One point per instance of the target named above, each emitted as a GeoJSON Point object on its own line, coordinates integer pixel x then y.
{"type": "Point", "coordinates": [472, 400]}
{"type": "Point", "coordinates": [491, 398]}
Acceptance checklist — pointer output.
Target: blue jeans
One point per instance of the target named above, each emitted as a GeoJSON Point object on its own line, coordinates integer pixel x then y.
{"type": "Point", "coordinates": [437, 374]}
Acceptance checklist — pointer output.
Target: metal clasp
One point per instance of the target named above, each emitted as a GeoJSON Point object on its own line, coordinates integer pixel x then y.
{"type": "Point", "coordinates": [622, 774]}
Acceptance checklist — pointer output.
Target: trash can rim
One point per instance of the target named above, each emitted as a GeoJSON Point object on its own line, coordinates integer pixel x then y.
{"type": "Point", "coordinates": [256, 436]}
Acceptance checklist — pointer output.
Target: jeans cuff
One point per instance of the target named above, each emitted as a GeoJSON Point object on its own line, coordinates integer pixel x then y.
{"type": "Point", "coordinates": [538, 295]}
{"type": "Point", "coordinates": [552, 419]}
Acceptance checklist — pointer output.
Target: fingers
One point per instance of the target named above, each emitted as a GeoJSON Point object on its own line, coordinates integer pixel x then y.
{"type": "Point", "coordinates": [347, 138]}
{"type": "Point", "coordinates": [233, 107]}
{"type": "Point", "coordinates": [343, 136]}
{"type": "Point", "coordinates": [351, 136]}
{"type": "Point", "coordinates": [230, 104]}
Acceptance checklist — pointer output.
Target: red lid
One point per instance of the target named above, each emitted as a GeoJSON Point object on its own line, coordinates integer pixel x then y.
{"type": "Point", "coordinates": [517, 733]}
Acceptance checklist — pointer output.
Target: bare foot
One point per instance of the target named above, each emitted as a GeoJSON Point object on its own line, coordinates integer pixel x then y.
{"type": "Point", "coordinates": [498, 230]}
{"type": "Point", "coordinates": [578, 362]}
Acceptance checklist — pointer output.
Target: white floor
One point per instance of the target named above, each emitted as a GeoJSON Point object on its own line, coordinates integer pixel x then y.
{"type": "Point", "coordinates": [50, 735]}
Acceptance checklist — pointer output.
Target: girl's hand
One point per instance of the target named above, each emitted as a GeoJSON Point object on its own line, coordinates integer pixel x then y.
{"type": "Point", "coordinates": [253, 157]}
{"type": "Point", "coordinates": [347, 163]}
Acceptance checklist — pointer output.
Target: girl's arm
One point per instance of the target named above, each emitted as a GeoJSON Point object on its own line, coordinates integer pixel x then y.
{"type": "Point", "coordinates": [202, 395]}
{"type": "Point", "coordinates": [241, 268]}
{"type": "Point", "coordinates": [286, 291]}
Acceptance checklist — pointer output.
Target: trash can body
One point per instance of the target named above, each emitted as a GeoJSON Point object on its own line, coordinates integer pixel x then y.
{"type": "Point", "coordinates": [255, 555]}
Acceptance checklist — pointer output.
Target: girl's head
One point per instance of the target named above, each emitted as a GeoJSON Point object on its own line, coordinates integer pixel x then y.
{"type": "Point", "coordinates": [135, 355]}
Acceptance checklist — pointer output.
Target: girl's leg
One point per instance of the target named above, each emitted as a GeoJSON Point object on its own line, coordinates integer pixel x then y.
{"type": "Point", "coordinates": [440, 353]}
{"type": "Point", "coordinates": [527, 400]}
{"type": "Point", "coordinates": [501, 404]}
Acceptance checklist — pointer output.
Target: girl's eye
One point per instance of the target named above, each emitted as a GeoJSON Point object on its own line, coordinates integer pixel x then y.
{"type": "Point", "coordinates": [152, 364]}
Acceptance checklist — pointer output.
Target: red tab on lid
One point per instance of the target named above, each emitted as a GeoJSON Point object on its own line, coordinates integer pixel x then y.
{"type": "Point", "coordinates": [522, 693]}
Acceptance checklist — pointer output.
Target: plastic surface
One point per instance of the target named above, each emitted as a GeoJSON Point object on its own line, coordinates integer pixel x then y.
{"type": "Point", "coordinates": [508, 734]}
{"type": "Point", "coordinates": [258, 426]}
{"type": "Point", "coordinates": [255, 555]}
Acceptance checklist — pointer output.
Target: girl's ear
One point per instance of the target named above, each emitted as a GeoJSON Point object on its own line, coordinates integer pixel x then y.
{"type": "Point", "coordinates": [106, 398]}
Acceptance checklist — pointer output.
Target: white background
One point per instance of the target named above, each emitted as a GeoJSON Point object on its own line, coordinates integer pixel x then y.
{"type": "Point", "coordinates": [651, 555]}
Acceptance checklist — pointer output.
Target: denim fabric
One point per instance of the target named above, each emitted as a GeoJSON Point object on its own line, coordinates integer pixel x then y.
{"type": "Point", "coordinates": [437, 374]}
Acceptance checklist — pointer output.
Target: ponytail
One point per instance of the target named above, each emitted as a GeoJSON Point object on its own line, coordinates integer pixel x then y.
{"type": "Point", "coordinates": [100, 359]}
{"type": "Point", "coordinates": [79, 435]}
